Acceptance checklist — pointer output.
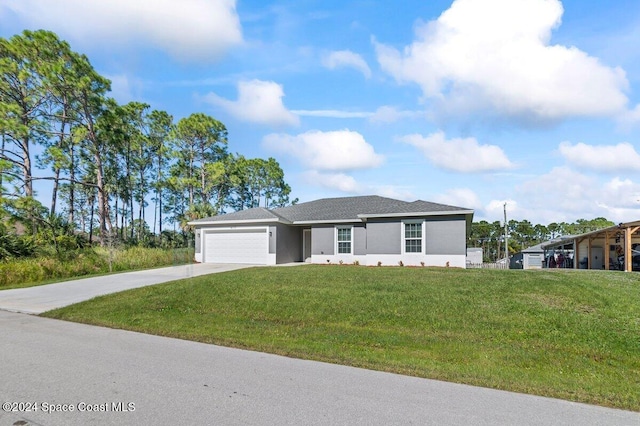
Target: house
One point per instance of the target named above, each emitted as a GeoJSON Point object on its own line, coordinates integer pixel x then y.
{"type": "Point", "coordinates": [365, 229]}
{"type": "Point", "coordinates": [530, 258]}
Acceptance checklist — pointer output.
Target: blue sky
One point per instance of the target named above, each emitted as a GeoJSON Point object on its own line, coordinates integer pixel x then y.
{"type": "Point", "coordinates": [473, 103]}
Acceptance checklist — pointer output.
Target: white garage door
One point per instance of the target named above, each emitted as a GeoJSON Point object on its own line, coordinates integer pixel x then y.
{"type": "Point", "coordinates": [238, 246]}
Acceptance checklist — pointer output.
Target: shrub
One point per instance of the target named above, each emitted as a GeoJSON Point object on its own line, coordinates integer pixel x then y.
{"type": "Point", "coordinates": [14, 246]}
{"type": "Point", "coordinates": [18, 272]}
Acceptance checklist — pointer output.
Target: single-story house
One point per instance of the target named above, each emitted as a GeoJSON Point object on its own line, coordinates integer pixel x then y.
{"type": "Point", "coordinates": [536, 257]}
{"type": "Point", "coordinates": [366, 229]}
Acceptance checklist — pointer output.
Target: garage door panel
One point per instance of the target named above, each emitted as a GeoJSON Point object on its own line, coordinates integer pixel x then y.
{"type": "Point", "coordinates": [238, 246]}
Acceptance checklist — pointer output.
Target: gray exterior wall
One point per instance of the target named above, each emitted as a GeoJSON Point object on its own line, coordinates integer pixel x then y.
{"type": "Point", "coordinates": [447, 235]}
{"type": "Point", "coordinates": [289, 243]}
{"type": "Point", "coordinates": [359, 240]}
{"type": "Point", "coordinates": [322, 240]}
{"type": "Point", "coordinates": [197, 242]}
{"type": "Point", "coordinates": [384, 237]}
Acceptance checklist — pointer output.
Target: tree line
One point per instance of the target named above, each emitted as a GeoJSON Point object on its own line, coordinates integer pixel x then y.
{"type": "Point", "coordinates": [107, 162]}
{"type": "Point", "coordinates": [523, 234]}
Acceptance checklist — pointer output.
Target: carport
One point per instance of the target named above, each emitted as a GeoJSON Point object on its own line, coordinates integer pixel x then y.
{"type": "Point", "coordinates": [609, 248]}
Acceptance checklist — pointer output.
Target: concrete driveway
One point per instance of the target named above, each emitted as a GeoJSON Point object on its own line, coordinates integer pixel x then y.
{"type": "Point", "coordinates": [35, 300]}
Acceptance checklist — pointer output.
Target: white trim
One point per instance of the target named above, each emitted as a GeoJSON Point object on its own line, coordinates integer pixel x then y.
{"type": "Point", "coordinates": [335, 240]}
{"type": "Point", "coordinates": [441, 260]}
{"type": "Point", "coordinates": [323, 222]}
{"type": "Point", "coordinates": [347, 259]}
{"type": "Point", "coordinates": [240, 222]}
{"type": "Point", "coordinates": [411, 214]}
{"type": "Point", "coordinates": [403, 242]}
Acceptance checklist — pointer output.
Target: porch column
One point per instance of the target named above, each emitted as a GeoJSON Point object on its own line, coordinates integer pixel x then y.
{"type": "Point", "coordinates": [628, 261]}
{"type": "Point", "coordinates": [606, 251]}
{"type": "Point", "coordinates": [628, 254]}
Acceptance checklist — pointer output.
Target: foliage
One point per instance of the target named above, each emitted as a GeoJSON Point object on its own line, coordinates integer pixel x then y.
{"type": "Point", "coordinates": [562, 334]}
{"type": "Point", "coordinates": [14, 246]}
{"type": "Point", "coordinates": [108, 161]}
{"type": "Point", "coordinates": [523, 234]}
{"type": "Point", "coordinates": [26, 272]}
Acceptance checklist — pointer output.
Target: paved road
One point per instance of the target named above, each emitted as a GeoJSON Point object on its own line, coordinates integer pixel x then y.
{"type": "Point", "coordinates": [35, 300]}
{"type": "Point", "coordinates": [172, 381]}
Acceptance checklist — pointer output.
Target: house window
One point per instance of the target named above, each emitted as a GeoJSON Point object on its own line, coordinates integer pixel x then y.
{"type": "Point", "coordinates": [413, 237]}
{"type": "Point", "coordinates": [344, 240]}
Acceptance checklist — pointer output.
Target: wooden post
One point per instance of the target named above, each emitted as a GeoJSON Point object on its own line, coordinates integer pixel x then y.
{"type": "Point", "coordinates": [607, 252]}
{"type": "Point", "coordinates": [628, 256]}
{"type": "Point", "coordinates": [628, 253]}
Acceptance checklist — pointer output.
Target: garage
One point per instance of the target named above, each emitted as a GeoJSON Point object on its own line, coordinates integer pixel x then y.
{"type": "Point", "coordinates": [236, 246]}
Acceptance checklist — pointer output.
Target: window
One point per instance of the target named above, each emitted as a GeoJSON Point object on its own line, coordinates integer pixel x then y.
{"type": "Point", "coordinates": [413, 237]}
{"type": "Point", "coordinates": [344, 240]}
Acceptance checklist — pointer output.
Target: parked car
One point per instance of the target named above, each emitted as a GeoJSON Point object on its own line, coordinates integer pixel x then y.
{"type": "Point", "coordinates": [635, 258]}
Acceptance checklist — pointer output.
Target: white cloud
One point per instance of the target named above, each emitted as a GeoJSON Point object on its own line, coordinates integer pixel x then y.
{"type": "Point", "coordinates": [384, 114]}
{"type": "Point", "coordinates": [391, 191]}
{"type": "Point", "coordinates": [340, 181]}
{"type": "Point", "coordinates": [495, 56]}
{"type": "Point", "coordinates": [631, 118]}
{"type": "Point", "coordinates": [607, 158]}
{"type": "Point", "coordinates": [339, 150]}
{"type": "Point", "coordinates": [460, 197]}
{"type": "Point", "coordinates": [390, 114]}
{"type": "Point", "coordinates": [495, 209]}
{"type": "Point", "coordinates": [346, 58]}
{"type": "Point", "coordinates": [566, 195]}
{"type": "Point", "coordinates": [331, 113]}
{"type": "Point", "coordinates": [124, 88]}
{"type": "Point", "coordinates": [258, 102]}
{"type": "Point", "coordinates": [464, 155]}
{"type": "Point", "coordinates": [187, 29]}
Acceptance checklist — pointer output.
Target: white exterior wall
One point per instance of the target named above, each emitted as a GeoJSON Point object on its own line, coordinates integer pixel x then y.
{"type": "Point", "coordinates": [455, 261]}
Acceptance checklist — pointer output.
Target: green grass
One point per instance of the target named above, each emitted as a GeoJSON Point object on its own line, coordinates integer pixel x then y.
{"type": "Point", "coordinates": [567, 334]}
{"type": "Point", "coordinates": [41, 270]}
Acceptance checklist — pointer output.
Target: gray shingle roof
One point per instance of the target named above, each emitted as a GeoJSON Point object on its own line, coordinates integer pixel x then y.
{"type": "Point", "coordinates": [338, 209]}
{"type": "Point", "coordinates": [256, 214]}
{"type": "Point", "coordinates": [349, 208]}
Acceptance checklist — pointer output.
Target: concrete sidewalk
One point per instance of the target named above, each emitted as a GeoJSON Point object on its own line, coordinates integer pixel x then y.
{"type": "Point", "coordinates": [35, 300]}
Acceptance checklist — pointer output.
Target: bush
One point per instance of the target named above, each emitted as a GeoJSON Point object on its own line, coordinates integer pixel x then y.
{"type": "Point", "coordinates": [27, 271]}
{"type": "Point", "coordinates": [15, 246]}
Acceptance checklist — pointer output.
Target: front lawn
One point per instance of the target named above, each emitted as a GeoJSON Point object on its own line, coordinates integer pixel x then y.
{"type": "Point", "coordinates": [567, 334]}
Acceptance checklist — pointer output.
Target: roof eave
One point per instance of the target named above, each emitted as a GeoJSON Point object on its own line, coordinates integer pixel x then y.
{"type": "Point", "coordinates": [239, 222]}
{"type": "Point", "coordinates": [412, 214]}
{"type": "Point", "coordinates": [324, 222]}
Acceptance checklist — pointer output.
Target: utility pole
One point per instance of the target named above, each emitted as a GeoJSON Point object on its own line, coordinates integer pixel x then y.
{"type": "Point", "coordinates": [506, 233]}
